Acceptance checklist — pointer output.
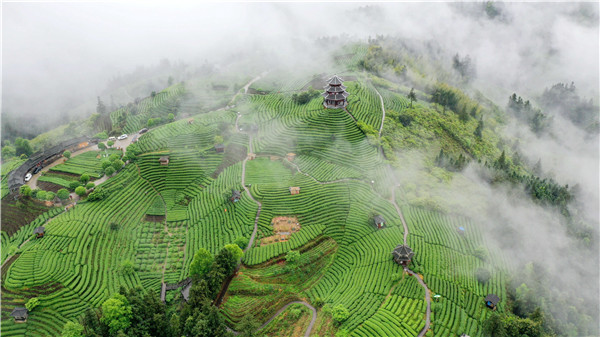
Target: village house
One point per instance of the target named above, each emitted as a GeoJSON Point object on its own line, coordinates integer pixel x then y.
{"type": "Point", "coordinates": [220, 148]}
{"type": "Point", "coordinates": [235, 195]}
{"type": "Point", "coordinates": [39, 232]}
{"type": "Point", "coordinates": [20, 314]}
{"type": "Point", "coordinates": [291, 156]}
{"type": "Point", "coordinates": [491, 301]}
{"type": "Point", "coordinates": [251, 156]}
{"type": "Point", "coordinates": [294, 190]}
{"type": "Point", "coordinates": [378, 221]}
{"type": "Point", "coordinates": [164, 160]}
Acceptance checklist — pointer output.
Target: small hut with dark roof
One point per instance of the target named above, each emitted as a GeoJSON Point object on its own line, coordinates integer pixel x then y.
{"type": "Point", "coordinates": [378, 221]}
{"type": "Point", "coordinates": [402, 255]}
{"type": "Point", "coordinates": [220, 148]}
{"type": "Point", "coordinates": [20, 314]}
{"type": "Point", "coordinates": [491, 301]}
{"type": "Point", "coordinates": [335, 94]}
{"type": "Point", "coordinates": [235, 195]}
{"type": "Point", "coordinates": [39, 231]}
{"type": "Point", "coordinates": [164, 160]}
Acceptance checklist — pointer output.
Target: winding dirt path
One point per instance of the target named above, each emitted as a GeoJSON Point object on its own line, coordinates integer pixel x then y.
{"type": "Point", "coordinates": [382, 109]}
{"type": "Point", "coordinates": [410, 272]}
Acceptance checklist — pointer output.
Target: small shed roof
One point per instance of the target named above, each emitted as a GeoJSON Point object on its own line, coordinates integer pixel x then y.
{"type": "Point", "coordinates": [378, 219]}
{"type": "Point", "coordinates": [219, 146]}
{"type": "Point", "coordinates": [19, 312]}
{"type": "Point", "coordinates": [39, 230]}
{"type": "Point", "coordinates": [403, 252]}
{"type": "Point", "coordinates": [494, 299]}
{"type": "Point", "coordinates": [163, 158]}
{"type": "Point", "coordinates": [236, 194]}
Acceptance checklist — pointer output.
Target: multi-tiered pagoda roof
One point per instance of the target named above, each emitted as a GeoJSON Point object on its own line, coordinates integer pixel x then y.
{"type": "Point", "coordinates": [335, 94]}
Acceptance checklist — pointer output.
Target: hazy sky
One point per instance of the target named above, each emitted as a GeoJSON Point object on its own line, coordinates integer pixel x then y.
{"type": "Point", "coordinates": [56, 53]}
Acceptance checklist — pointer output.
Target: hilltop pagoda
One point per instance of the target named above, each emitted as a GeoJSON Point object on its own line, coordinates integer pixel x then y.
{"type": "Point", "coordinates": [335, 94]}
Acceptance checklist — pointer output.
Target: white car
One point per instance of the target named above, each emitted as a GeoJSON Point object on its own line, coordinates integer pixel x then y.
{"type": "Point", "coordinates": [121, 137]}
{"type": "Point", "coordinates": [28, 176]}
{"type": "Point", "coordinates": [112, 138]}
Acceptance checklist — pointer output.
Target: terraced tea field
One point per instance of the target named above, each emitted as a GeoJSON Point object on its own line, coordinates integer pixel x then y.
{"type": "Point", "coordinates": [157, 216]}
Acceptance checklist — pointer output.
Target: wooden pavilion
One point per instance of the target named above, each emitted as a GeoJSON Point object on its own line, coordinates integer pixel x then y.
{"type": "Point", "coordinates": [403, 255]}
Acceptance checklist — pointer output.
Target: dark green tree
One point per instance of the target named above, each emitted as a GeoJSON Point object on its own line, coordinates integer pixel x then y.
{"type": "Point", "coordinates": [116, 313]}
{"type": "Point", "coordinates": [412, 97]}
{"type": "Point", "coordinates": [248, 326]}
{"type": "Point", "coordinates": [479, 129]}
{"type": "Point", "coordinates": [494, 326]}
{"type": "Point", "coordinates": [100, 107]}
{"type": "Point", "coordinates": [22, 147]}
{"type": "Point", "coordinates": [201, 263]}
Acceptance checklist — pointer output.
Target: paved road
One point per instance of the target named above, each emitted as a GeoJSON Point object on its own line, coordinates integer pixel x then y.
{"type": "Point", "coordinates": [118, 143]}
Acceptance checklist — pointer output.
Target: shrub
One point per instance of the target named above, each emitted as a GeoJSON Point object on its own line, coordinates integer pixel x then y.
{"type": "Point", "coordinates": [295, 313]}
{"type": "Point", "coordinates": [340, 314]}
{"type": "Point", "coordinates": [41, 195]}
{"type": "Point", "coordinates": [90, 185]}
{"type": "Point", "coordinates": [25, 190]}
{"type": "Point", "coordinates": [98, 194]}
{"type": "Point", "coordinates": [32, 303]}
{"type": "Point", "coordinates": [80, 191]}
{"type": "Point", "coordinates": [50, 195]}
{"type": "Point", "coordinates": [113, 157]}
{"type": "Point", "coordinates": [105, 164]}
{"type": "Point", "coordinates": [318, 302]}
{"type": "Point", "coordinates": [396, 277]}
{"type": "Point", "coordinates": [480, 253]}
{"type": "Point", "coordinates": [110, 143]}
{"type": "Point", "coordinates": [67, 154]}
{"type": "Point", "coordinates": [242, 242]}
{"type": "Point", "coordinates": [117, 164]}
{"type": "Point", "coordinates": [102, 146]}
{"type": "Point", "coordinates": [72, 330]}
{"type": "Point", "coordinates": [127, 267]}
{"type": "Point", "coordinates": [84, 178]}
{"type": "Point", "coordinates": [109, 171]}
{"type": "Point", "coordinates": [292, 256]}
{"type": "Point", "coordinates": [74, 184]}
{"type": "Point", "coordinates": [235, 251]}
{"type": "Point", "coordinates": [63, 194]}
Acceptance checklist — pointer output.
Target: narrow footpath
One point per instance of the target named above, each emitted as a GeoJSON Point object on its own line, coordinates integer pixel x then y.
{"type": "Point", "coordinates": [410, 272]}
{"type": "Point", "coordinates": [254, 231]}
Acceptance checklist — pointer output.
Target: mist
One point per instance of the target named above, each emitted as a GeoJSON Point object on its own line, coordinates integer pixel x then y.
{"type": "Point", "coordinates": [58, 57]}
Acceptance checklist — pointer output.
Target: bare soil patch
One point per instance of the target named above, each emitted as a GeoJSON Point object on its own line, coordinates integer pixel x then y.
{"type": "Point", "coordinates": [283, 227]}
